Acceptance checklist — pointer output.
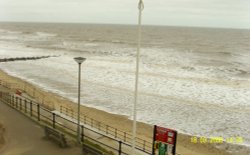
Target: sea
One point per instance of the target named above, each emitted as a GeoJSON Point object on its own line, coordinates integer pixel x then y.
{"type": "Point", "coordinates": [194, 80]}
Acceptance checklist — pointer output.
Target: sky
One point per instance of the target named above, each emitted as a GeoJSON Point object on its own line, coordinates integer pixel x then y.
{"type": "Point", "coordinates": [199, 13]}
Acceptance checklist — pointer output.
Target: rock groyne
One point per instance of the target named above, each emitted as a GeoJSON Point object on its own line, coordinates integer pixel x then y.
{"type": "Point", "coordinates": [25, 58]}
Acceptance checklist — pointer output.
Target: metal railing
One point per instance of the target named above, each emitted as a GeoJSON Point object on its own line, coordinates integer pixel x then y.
{"type": "Point", "coordinates": [126, 137]}
{"type": "Point", "coordinates": [107, 129]}
{"type": "Point", "coordinates": [36, 111]}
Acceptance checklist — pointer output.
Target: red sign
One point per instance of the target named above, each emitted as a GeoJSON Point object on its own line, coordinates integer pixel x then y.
{"type": "Point", "coordinates": [165, 135]}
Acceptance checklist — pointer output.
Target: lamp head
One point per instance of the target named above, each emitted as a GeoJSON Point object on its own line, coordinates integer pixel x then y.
{"type": "Point", "coordinates": [79, 60]}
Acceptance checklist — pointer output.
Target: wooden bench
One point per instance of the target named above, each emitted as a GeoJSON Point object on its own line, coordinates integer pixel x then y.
{"type": "Point", "coordinates": [90, 150]}
{"type": "Point", "coordinates": [56, 136]}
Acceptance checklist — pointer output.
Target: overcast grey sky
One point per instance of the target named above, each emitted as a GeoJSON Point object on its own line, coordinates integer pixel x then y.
{"type": "Point", "coordinates": [208, 13]}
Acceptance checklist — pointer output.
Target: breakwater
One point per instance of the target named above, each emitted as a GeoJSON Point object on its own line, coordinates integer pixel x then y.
{"type": "Point", "coordinates": [26, 58]}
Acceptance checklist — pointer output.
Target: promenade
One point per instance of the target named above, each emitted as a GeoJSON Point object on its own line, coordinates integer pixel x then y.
{"type": "Point", "coordinates": [25, 137]}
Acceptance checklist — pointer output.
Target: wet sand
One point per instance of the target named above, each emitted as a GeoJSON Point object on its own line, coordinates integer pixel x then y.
{"type": "Point", "coordinates": [53, 101]}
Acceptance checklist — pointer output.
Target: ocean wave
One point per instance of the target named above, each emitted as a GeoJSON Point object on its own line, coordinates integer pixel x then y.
{"type": "Point", "coordinates": [3, 31]}
{"type": "Point", "coordinates": [14, 32]}
{"type": "Point", "coordinates": [117, 41]}
{"type": "Point", "coordinates": [44, 34]}
{"type": "Point", "coordinates": [90, 44]}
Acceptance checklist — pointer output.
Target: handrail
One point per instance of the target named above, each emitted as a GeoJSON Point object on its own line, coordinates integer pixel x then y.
{"type": "Point", "coordinates": [39, 113]}
{"type": "Point", "coordinates": [109, 130]}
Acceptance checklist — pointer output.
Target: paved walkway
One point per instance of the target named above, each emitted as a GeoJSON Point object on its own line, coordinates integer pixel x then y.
{"type": "Point", "coordinates": [25, 137]}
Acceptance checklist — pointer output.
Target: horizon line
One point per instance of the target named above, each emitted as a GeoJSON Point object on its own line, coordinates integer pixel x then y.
{"type": "Point", "coordinates": [127, 24]}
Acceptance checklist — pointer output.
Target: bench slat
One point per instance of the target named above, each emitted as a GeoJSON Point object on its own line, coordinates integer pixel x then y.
{"type": "Point", "coordinates": [55, 135]}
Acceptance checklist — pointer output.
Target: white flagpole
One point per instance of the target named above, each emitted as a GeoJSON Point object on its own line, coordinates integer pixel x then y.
{"type": "Point", "coordinates": [140, 7]}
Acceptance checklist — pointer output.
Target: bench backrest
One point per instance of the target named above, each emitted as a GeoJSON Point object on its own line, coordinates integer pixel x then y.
{"type": "Point", "coordinates": [51, 131]}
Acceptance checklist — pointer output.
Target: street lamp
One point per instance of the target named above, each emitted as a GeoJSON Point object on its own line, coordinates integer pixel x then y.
{"type": "Point", "coordinates": [140, 7]}
{"type": "Point", "coordinates": [79, 60]}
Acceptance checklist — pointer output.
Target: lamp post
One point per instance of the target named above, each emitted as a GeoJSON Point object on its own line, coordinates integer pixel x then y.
{"type": "Point", "coordinates": [79, 60]}
{"type": "Point", "coordinates": [140, 7]}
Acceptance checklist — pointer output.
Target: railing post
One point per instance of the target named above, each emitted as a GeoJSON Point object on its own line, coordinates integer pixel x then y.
{"type": "Point", "coordinates": [84, 119]}
{"type": "Point", "coordinates": [9, 98]}
{"type": "Point", "coordinates": [125, 136]}
{"type": "Point", "coordinates": [82, 128]}
{"type": "Point", "coordinates": [25, 106]}
{"type": "Point", "coordinates": [38, 112]}
{"type": "Point", "coordinates": [54, 120]}
{"type": "Point", "coordinates": [107, 129]}
{"type": "Point", "coordinates": [71, 114]}
{"type": "Point", "coordinates": [115, 133]}
{"type": "Point", "coordinates": [16, 102]}
{"type": "Point", "coordinates": [12, 101]}
{"type": "Point", "coordinates": [66, 111]}
{"type": "Point", "coordinates": [99, 126]}
{"type": "Point", "coordinates": [20, 103]}
{"type": "Point", "coordinates": [120, 147]}
{"type": "Point", "coordinates": [31, 109]}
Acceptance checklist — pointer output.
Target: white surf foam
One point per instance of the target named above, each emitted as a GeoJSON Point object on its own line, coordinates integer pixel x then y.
{"type": "Point", "coordinates": [174, 92]}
